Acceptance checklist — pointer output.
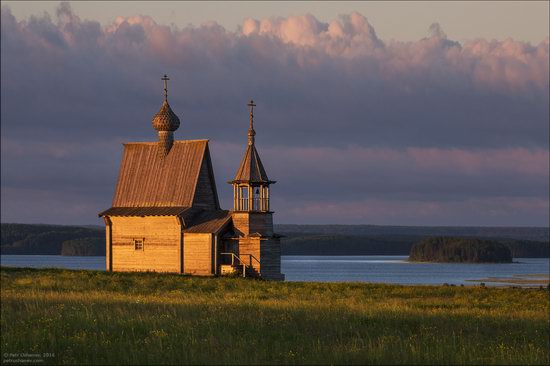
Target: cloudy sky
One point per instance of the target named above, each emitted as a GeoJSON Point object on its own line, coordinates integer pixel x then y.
{"type": "Point", "coordinates": [401, 126]}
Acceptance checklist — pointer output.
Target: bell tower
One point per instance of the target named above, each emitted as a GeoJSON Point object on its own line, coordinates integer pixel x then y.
{"type": "Point", "coordinates": [251, 207]}
{"type": "Point", "coordinates": [253, 240]}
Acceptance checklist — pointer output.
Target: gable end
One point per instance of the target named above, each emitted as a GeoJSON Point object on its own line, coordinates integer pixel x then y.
{"type": "Point", "coordinates": [206, 195]}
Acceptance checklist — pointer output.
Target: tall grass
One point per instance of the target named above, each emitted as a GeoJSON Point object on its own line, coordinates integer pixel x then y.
{"type": "Point", "coordinates": [113, 318]}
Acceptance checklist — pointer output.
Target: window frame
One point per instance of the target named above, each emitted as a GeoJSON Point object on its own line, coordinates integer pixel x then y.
{"type": "Point", "coordinates": [139, 244]}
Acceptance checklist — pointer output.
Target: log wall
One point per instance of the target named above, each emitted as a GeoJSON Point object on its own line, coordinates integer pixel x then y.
{"type": "Point", "coordinates": [271, 259]}
{"type": "Point", "coordinates": [197, 254]}
{"type": "Point", "coordinates": [250, 246]}
{"type": "Point", "coordinates": [161, 243]}
{"type": "Point", "coordinates": [247, 223]}
{"type": "Point", "coordinates": [205, 194]}
{"type": "Point", "coordinates": [268, 253]}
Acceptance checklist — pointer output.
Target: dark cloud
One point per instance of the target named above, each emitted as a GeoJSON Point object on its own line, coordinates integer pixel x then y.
{"type": "Point", "coordinates": [350, 126]}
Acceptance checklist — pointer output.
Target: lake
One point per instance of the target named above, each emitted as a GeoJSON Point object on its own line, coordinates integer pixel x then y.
{"type": "Point", "coordinates": [381, 269]}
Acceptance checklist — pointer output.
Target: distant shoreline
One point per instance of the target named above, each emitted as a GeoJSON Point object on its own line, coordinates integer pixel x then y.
{"type": "Point", "coordinates": [312, 240]}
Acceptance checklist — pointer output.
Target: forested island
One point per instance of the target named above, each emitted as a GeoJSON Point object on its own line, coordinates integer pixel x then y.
{"type": "Point", "coordinates": [453, 249]}
{"type": "Point", "coordinates": [299, 239]}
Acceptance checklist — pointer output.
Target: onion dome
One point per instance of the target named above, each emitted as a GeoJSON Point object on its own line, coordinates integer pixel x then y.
{"type": "Point", "coordinates": [166, 119]}
{"type": "Point", "coordinates": [165, 122]}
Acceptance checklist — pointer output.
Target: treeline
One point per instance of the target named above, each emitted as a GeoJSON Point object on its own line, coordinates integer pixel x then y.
{"type": "Point", "coordinates": [76, 240]}
{"type": "Point", "coordinates": [509, 232]}
{"type": "Point", "coordinates": [51, 240]}
{"type": "Point", "coordinates": [528, 248]}
{"type": "Point", "coordinates": [299, 244]}
{"type": "Point", "coordinates": [449, 249]}
{"type": "Point", "coordinates": [84, 246]}
{"type": "Point", "coordinates": [317, 244]}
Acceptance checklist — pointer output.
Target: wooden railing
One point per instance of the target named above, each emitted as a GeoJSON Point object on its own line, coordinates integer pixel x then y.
{"type": "Point", "coordinates": [250, 258]}
{"type": "Point", "coordinates": [258, 204]}
{"type": "Point", "coordinates": [236, 258]}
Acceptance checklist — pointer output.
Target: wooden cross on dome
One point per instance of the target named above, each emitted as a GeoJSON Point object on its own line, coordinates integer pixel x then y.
{"type": "Point", "coordinates": [165, 79]}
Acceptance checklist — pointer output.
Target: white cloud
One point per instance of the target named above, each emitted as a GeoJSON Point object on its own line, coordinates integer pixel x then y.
{"type": "Point", "coordinates": [430, 120]}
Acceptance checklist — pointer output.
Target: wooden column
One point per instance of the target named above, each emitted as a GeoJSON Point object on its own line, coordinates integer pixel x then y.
{"type": "Point", "coordinates": [180, 249]}
{"type": "Point", "coordinates": [241, 199]}
{"type": "Point", "coordinates": [241, 203]}
{"type": "Point", "coordinates": [234, 197]}
{"type": "Point", "coordinates": [264, 199]}
{"type": "Point", "coordinates": [261, 198]}
{"type": "Point", "coordinates": [215, 254]}
{"type": "Point", "coordinates": [250, 196]}
{"type": "Point", "coordinates": [108, 243]}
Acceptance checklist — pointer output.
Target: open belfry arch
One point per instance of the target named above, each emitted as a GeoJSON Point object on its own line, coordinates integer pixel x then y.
{"type": "Point", "coordinates": [166, 216]}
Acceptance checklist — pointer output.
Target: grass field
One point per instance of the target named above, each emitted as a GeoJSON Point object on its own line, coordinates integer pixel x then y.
{"type": "Point", "coordinates": [112, 318]}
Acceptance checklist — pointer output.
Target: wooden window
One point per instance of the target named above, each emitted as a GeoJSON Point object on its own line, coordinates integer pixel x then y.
{"type": "Point", "coordinates": [256, 199]}
{"type": "Point", "coordinates": [244, 198]}
{"type": "Point", "coordinates": [138, 244]}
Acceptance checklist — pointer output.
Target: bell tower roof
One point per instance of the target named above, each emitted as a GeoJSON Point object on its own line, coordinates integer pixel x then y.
{"type": "Point", "coordinates": [251, 169]}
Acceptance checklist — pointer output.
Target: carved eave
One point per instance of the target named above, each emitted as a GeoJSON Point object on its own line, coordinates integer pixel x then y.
{"type": "Point", "coordinates": [252, 183]}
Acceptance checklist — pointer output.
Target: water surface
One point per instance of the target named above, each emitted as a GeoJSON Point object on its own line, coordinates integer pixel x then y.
{"type": "Point", "coordinates": [397, 270]}
{"type": "Point", "coordinates": [371, 268]}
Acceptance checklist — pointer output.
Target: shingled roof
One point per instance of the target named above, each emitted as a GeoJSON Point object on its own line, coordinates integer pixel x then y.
{"type": "Point", "coordinates": [208, 222]}
{"type": "Point", "coordinates": [145, 211]}
{"type": "Point", "coordinates": [251, 169]}
{"type": "Point", "coordinates": [145, 180]}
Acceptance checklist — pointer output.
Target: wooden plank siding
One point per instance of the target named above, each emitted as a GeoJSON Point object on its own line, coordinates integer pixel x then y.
{"type": "Point", "coordinates": [205, 191]}
{"type": "Point", "coordinates": [247, 223]}
{"type": "Point", "coordinates": [251, 246]}
{"type": "Point", "coordinates": [198, 254]}
{"type": "Point", "coordinates": [266, 251]}
{"type": "Point", "coordinates": [271, 259]}
{"type": "Point", "coordinates": [161, 244]}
